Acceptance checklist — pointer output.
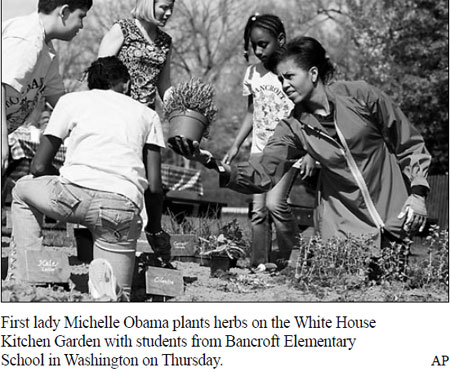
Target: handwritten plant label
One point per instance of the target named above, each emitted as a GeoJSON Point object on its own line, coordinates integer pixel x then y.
{"type": "Point", "coordinates": [183, 245]}
{"type": "Point", "coordinates": [164, 282]}
{"type": "Point", "coordinates": [43, 266]}
{"type": "Point", "coordinates": [48, 266]}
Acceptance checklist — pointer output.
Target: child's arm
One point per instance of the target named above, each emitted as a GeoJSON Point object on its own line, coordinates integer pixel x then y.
{"type": "Point", "coordinates": [164, 81]}
{"type": "Point", "coordinates": [243, 133]}
{"type": "Point", "coordinates": [41, 165]}
{"type": "Point", "coordinates": [158, 239]}
{"type": "Point", "coordinates": [153, 204]}
{"type": "Point", "coordinates": [53, 100]}
{"type": "Point", "coordinates": [111, 42]}
{"type": "Point", "coordinates": [5, 146]}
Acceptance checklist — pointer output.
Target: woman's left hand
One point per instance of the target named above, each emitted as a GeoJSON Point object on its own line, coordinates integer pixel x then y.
{"type": "Point", "coordinates": [415, 213]}
{"type": "Point", "coordinates": [306, 166]}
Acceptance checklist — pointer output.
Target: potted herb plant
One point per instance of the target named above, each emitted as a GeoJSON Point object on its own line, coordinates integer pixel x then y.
{"type": "Point", "coordinates": [223, 252]}
{"type": "Point", "coordinates": [190, 109]}
{"type": "Point", "coordinates": [224, 249]}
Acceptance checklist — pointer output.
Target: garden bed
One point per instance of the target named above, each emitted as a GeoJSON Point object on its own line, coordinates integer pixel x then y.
{"type": "Point", "coordinates": [239, 284]}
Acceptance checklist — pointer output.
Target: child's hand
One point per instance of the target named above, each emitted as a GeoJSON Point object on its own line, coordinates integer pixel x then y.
{"type": "Point", "coordinates": [230, 155]}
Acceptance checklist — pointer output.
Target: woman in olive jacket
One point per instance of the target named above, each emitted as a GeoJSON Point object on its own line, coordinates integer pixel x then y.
{"type": "Point", "coordinates": [374, 163]}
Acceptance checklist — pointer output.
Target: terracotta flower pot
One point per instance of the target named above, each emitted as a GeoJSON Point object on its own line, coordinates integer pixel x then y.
{"type": "Point", "coordinates": [189, 124]}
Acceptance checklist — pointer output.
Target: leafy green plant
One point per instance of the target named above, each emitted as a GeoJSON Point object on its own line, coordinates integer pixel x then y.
{"type": "Point", "coordinates": [219, 245]}
{"type": "Point", "coordinates": [393, 263]}
{"type": "Point", "coordinates": [347, 262]}
{"type": "Point", "coordinates": [24, 292]}
{"type": "Point", "coordinates": [334, 261]}
{"type": "Point", "coordinates": [435, 269]}
{"type": "Point", "coordinates": [229, 242]}
{"type": "Point", "coordinates": [233, 231]}
{"type": "Point", "coordinates": [192, 95]}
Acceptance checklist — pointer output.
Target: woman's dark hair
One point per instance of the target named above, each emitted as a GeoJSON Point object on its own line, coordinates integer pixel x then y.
{"type": "Point", "coordinates": [48, 6]}
{"type": "Point", "coordinates": [268, 22]}
{"type": "Point", "coordinates": [106, 72]}
{"type": "Point", "coordinates": [306, 52]}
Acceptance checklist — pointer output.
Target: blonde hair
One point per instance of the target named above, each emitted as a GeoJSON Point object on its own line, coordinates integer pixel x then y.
{"type": "Point", "coordinates": [144, 9]}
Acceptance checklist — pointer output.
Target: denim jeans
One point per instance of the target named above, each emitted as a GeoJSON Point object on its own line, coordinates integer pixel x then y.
{"type": "Point", "coordinates": [272, 207]}
{"type": "Point", "coordinates": [113, 219]}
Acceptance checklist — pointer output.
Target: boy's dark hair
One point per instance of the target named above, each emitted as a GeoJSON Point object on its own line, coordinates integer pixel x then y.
{"type": "Point", "coordinates": [48, 6]}
{"type": "Point", "coordinates": [268, 22]}
{"type": "Point", "coordinates": [106, 72]}
{"type": "Point", "coordinates": [306, 52]}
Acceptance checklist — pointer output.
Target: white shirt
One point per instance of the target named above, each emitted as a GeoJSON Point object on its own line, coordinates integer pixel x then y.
{"type": "Point", "coordinates": [29, 68]}
{"type": "Point", "coordinates": [108, 131]}
{"type": "Point", "coordinates": [270, 104]}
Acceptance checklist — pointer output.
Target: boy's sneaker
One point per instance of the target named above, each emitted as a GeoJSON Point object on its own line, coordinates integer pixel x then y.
{"type": "Point", "coordinates": [265, 268]}
{"type": "Point", "coordinates": [102, 281]}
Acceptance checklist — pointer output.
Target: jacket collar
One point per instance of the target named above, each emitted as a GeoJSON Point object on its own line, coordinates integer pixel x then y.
{"type": "Point", "coordinates": [308, 118]}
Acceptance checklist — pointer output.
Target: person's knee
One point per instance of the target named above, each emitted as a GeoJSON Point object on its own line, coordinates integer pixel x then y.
{"type": "Point", "coordinates": [18, 191]}
{"type": "Point", "coordinates": [259, 216]}
{"type": "Point", "coordinates": [23, 187]}
{"type": "Point", "coordinates": [272, 205]}
{"type": "Point", "coordinates": [277, 207]}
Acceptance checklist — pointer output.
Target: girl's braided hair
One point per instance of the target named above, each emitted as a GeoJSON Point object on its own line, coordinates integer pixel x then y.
{"type": "Point", "coordinates": [268, 22]}
{"type": "Point", "coordinates": [106, 72]}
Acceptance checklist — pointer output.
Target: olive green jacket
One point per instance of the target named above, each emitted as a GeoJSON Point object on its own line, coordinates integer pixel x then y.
{"type": "Point", "coordinates": [366, 175]}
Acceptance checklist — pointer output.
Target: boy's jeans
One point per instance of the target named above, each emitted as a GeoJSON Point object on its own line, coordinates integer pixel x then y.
{"type": "Point", "coordinates": [113, 219]}
{"type": "Point", "coordinates": [271, 207]}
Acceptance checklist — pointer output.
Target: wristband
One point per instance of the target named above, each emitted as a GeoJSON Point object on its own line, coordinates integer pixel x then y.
{"type": "Point", "coordinates": [159, 233]}
{"type": "Point", "coordinates": [212, 164]}
{"type": "Point", "coordinates": [419, 190]}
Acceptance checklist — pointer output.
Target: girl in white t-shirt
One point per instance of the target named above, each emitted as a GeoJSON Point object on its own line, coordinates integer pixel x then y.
{"type": "Point", "coordinates": [267, 105]}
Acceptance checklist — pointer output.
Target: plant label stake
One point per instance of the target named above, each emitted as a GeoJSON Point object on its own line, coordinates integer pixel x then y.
{"type": "Point", "coordinates": [43, 266]}
{"type": "Point", "coordinates": [183, 245]}
{"type": "Point", "coordinates": [164, 282]}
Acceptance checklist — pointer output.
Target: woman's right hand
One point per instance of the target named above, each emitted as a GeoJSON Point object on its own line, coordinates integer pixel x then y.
{"type": "Point", "coordinates": [230, 155]}
{"type": "Point", "coordinates": [189, 149]}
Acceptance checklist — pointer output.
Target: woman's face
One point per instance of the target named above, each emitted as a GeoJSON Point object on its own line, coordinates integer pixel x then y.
{"type": "Point", "coordinates": [163, 11]}
{"type": "Point", "coordinates": [263, 43]}
{"type": "Point", "coordinates": [298, 83]}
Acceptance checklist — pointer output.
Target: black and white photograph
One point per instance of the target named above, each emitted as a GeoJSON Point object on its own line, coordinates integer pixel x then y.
{"type": "Point", "coordinates": [264, 177]}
